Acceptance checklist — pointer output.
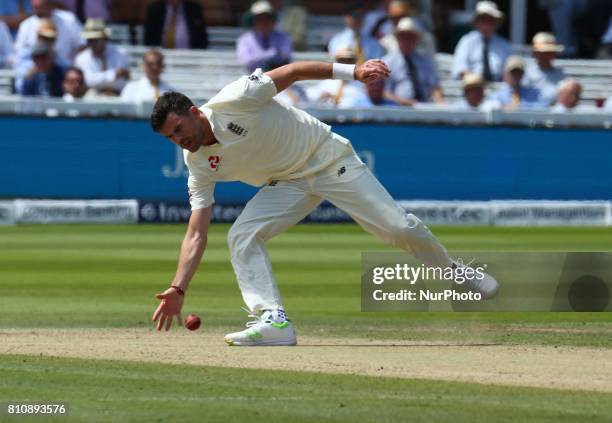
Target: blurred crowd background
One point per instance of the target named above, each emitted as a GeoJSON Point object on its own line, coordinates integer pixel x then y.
{"type": "Point", "coordinates": [459, 54]}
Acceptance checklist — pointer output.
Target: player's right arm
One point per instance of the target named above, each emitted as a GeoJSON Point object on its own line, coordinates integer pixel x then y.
{"type": "Point", "coordinates": [192, 249]}
{"type": "Point", "coordinates": [286, 75]}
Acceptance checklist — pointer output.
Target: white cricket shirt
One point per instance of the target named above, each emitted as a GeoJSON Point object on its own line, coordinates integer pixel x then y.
{"type": "Point", "coordinates": [259, 140]}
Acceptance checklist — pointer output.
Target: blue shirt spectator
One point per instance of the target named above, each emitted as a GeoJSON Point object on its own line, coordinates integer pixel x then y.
{"type": "Point", "coordinates": [364, 46]}
{"type": "Point", "coordinates": [545, 80]}
{"type": "Point", "coordinates": [414, 77]}
{"type": "Point", "coordinates": [513, 94]}
{"type": "Point", "coordinates": [523, 98]}
{"type": "Point", "coordinates": [263, 46]}
{"type": "Point", "coordinates": [543, 75]}
{"type": "Point", "coordinates": [482, 51]}
{"type": "Point", "coordinates": [46, 34]}
{"type": "Point", "coordinates": [45, 78]}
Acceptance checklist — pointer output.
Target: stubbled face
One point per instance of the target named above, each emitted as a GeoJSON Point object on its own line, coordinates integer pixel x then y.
{"type": "Point", "coordinates": [474, 95]}
{"type": "Point", "coordinates": [186, 131]}
{"type": "Point", "coordinates": [570, 97]}
{"type": "Point", "coordinates": [486, 25]}
{"type": "Point", "coordinates": [407, 41]}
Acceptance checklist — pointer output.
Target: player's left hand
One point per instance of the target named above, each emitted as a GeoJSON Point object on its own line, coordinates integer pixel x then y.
{"type": "Point", "coordinates": [371, 70]}
{"type": "Point", "coordinates": [169, 308]}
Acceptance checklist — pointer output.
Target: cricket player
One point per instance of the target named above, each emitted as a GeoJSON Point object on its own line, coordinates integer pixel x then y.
{"type": "Point", "coordinates": [244, 134]}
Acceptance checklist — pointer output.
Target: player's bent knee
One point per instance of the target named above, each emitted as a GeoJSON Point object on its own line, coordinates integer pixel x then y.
{"type": "Point", "coordinates": [240, 236]}
{"type": "Point", "coordinates": [236, 236]}
{"type": "Point", "coordinates": [407, 231]}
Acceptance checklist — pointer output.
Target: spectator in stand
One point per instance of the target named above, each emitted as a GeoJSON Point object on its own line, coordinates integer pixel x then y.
{"type": "Point", "coordinates": [340, 93]}
{"type": "Point", "coordinates": [105, 66]}
{"type": "Point", "coordinates": [87, 9]}
{"type": "Point", "coordinates": [542, 74]}
{"type": "Point", "coordinates": [176, 24]}
{"type": "Point", "coordinates": [73, 85]}
{"type": "Point", "coordinates": [6, 47]}
{"type": "Point", "coordinates": [413, 78]}
{"type": "Point", "coordinates": [68, 31]}
{"type": "Point", "coordinates": [364, 46]}
{"type": "Point", "coordinates": [570, 92]}
{"type": "Point", "coordinates": [47, 34]}
{"type": "Point", "coordinates": [396, 10]}
{"type": "Point", "coordinates": [263, 46]}
{"type": "Point", "coordinates": [292, 18]}
{"type": "Point", "coordinates": [150, 86]}
{"type": "Point", "coordinates": [474, 87]}
{"type": "Point", "coordinates": [45, 77]}
{"type": "Point", "coordinates": [482, 51]}
{"type": "Point", "coordinates": [399, 9]}
{"type": "Point", "coordinates": [513, 94]}
{"type": "Point", "coordinates": [13, 12]}
{"type": "Point", "coordinates": [381, 21]}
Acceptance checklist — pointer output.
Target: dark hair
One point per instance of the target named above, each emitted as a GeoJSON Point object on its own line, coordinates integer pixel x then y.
{"type": "Point", "coordinates": [75, 69]}
{"type": "Point", "coordinates": [167, 103]}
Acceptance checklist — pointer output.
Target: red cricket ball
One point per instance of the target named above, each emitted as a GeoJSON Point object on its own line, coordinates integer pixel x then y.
{"type": "Point", "coordinates": [192, 322]}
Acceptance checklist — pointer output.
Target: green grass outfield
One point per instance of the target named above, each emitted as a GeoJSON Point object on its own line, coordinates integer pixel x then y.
{"type": "Point", "coordinates": [105, 277]}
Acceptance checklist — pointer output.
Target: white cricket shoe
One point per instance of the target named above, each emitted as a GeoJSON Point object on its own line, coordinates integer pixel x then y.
{"type": "Point", "coordinates": [265, 330]}
{"type": "Point", "coordinates": [486, 285]}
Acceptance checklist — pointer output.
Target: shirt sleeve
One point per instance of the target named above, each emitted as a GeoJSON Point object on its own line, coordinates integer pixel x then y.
{"type": "Point", "coordinates": [460, 60]}
{"type": "Point", "coordinates": [248, 93]}
{"type": "Point", "coordinates": [201, 193]}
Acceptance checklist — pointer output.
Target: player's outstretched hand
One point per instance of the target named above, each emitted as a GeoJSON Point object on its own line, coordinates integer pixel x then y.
{"type": "Point", "coordinates": [169, 308]}
{"type": "Point", "coordinates": [371, 70]}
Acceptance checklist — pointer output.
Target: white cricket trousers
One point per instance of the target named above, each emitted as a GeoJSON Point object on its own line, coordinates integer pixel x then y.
{"type": "Point", "coordinates": [349, 185]}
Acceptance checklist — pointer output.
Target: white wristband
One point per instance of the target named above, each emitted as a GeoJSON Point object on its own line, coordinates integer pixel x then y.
{"type": "Point", "coordinates": [343, 71]}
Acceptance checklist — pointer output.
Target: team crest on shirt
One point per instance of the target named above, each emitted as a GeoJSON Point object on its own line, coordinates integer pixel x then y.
{"type": "Point", "coordinates": [237, 129]}
{"type": "Point", "coordinates": [215, 162]}
{"type": "Point", "coordinates": [253, 78]}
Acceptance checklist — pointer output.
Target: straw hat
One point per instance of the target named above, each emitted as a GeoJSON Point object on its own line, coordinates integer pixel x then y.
{"type": "Point", "coordinates": [95, 29]}
{"type": "Point", "coordinates": [472, 80]}
{"type": "Point", "coordinates": [545, 42]}
{"type": "Point", "coordinates": [47, 28]}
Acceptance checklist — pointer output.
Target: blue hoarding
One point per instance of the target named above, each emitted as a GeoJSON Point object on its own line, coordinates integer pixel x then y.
{"type": "Point", "coordinates": [118, 158]}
